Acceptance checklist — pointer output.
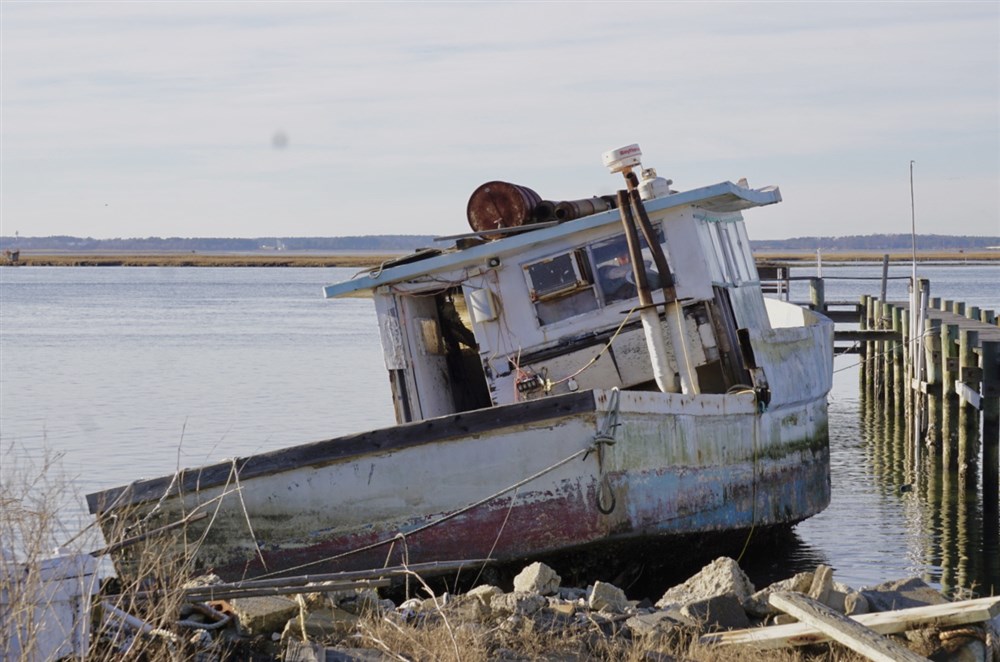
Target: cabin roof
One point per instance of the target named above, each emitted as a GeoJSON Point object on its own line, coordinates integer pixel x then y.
{"type": "Point", "coordinates": [722, 197]}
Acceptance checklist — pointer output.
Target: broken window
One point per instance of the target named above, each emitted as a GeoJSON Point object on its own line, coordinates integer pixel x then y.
{"type": "Point", "coordinates": [561, 286]}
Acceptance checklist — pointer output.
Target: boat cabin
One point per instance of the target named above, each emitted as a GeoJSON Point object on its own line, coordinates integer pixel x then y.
{"type": "Point", "coordinates": [554, 308]}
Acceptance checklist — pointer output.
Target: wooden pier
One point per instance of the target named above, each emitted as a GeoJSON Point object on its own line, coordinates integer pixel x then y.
{"type": "Point", "coordinates": [929, 392]}
{"type": "Point", "coordinates": [942, 380]}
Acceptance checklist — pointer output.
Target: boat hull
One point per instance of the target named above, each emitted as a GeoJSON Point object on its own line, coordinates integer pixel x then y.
{"type": "Point", "coordinates": [509, 483]}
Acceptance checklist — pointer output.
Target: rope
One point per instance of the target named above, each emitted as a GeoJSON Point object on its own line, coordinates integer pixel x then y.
{"type": "Point", "coordinates": [606, 437]}
{"type": "Point", "coordinates": [549, 384]}
{"type": "Point", "coordinates": [878, 355]}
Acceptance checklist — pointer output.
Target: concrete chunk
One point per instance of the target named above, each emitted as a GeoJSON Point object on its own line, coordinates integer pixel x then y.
{"type": "Point", "coordinates": [822, 584]}
{"type": "Point", "coordinates": [722, 612]}
{"type": "Point", "coordinates": [263, 615]}
{"type": "Point", "coordinates": [607, 596]}
{"type": "Point", "coordinates": [537, 578]}
{"type": "Point", "coordinates": [644, 625]}
{"type": "Point", "coordinates": [722, 576]}
{"type": "Point", "coordinates": [902, 594]}
{"type": "Point", "coordinates": [518, 604]}
{"type": "Point", "coordinates": [855, 603]}
{"type": "Point", "coordinates": [485, 593]}
{"type": "Point", "coordinates": [467, 609]}
{"type": "Point", "coordinates": [757, 604]}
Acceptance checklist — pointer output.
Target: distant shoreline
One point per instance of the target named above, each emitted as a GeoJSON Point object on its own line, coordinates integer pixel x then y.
{"type": "Point", "coordinates": [362, 260]}
{"type": "Point", "coordinates": [834, 257]}
{"type": "Point", "coordinates": [359, 260]}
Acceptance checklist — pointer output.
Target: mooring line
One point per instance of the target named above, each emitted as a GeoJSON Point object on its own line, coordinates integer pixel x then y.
{"type": "Point", "coordinates": [596, 444]}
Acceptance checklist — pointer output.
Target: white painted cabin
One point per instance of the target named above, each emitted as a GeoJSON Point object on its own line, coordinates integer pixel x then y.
{"type": "Point", "coordinates": [544, 303]}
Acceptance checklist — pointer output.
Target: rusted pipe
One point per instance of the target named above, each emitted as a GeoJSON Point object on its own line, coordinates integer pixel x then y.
{"type": "Point", "coordinates": [648, 313]}
{"type": "Point", "coordinates": [673, 313]}
{"type": "Point", "coordinates": [544, 212]}
{"type": "Point", "coordinates": [659, 259]}
{"type": "Point", "coordinates": [569, 210]}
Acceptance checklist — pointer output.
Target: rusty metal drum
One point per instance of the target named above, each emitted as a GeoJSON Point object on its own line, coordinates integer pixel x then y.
{"type": "Point", "coordinates": [501, 205]}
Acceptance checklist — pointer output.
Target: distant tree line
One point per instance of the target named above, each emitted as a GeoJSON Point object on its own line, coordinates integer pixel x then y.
{"type": "Point", "coordinates": [405, 243]}
{"type": "Point", "coordinates": [391, 243]}
{"type": "Point", "coordinates": [879, 242]}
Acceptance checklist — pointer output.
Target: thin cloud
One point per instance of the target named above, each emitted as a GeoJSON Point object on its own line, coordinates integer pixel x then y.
{"type": "Point", "coordinates": [171, 109]}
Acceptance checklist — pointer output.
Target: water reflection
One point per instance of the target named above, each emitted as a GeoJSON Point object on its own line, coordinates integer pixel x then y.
{"type": "Point", "coordinates": [893, 515]}
{"type": "Point", "coordinates": [944, 509]}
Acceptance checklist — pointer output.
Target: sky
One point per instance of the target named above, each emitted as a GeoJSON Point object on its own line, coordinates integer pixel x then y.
{"type": "Point", "coordinates": [259, 119]}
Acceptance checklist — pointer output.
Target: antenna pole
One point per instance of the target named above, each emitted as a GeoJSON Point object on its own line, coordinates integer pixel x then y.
{"type": "Point", "coordinates": [916, 333]}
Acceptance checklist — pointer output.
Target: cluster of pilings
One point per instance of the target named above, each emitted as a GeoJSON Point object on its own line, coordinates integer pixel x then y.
{"type": "Point", "coordinates": [936, 372]}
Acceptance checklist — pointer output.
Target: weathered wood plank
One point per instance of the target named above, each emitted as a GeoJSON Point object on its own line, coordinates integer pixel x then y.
{"type": "Point", "coordinates": [342, 448]}
{"type": "Point", "coordinates": [967, 395]}
{"type": "Point", "coordinates": [885, 622]}
{"type": "Point", "coordinates": [843, 629]}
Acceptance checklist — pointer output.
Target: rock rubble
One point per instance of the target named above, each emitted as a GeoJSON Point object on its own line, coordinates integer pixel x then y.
{"type": "Point", "coordinates": [332, 625]}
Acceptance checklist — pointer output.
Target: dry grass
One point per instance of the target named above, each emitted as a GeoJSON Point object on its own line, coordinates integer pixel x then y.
{"type": "Point", "coordinates": [437, 638]}
{"type": "Point", "coordinates": [33, 496]}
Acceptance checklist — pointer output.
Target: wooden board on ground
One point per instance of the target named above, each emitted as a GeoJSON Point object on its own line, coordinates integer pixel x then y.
{"type": "Point", "coordinates": [885, 622]}
{"type": "Point", "coordinates": [842, 629]}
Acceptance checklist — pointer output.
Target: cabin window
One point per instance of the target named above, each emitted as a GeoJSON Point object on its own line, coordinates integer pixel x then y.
{"type": "Point", "coordinates": [561, 286]}
{"type": "Point", "coordinates": [568, 284]}
{"type": "Point", "coordinates": [615, 276]}
{"type": "Point", "coordinates": [748, 264]}
{"type": "Point", "coordinates": [555, 276]}
{"type": "Point", "coordinates": [732, 250]}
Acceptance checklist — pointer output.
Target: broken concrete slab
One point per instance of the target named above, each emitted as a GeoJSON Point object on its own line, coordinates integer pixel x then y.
{"type": "Point", "coordinates": [485, 593]}
{"type": "Point", "coordinates": [822, 584]}
{"type": "Point", "coordinates": [757, 604]}
{"type": "Point", "coordinates": [537, 578]}
{"type": "Point", "coordinates": [902, 594]}
{"type": "Point", "coordinates": [855, 603]}
{"type": "Point", "coordinates": [467, 608]}
{"type": "Point", "coordinates": [562, 607]}
{"type": "Point", "coordinates": [657, 622]}
{"type": "Point", "coordinates": [607, 597]}
{"type": "Point", "coordinates": [720, 612]}
{"type": "Point", "coordinates": [722, 576]}
{"type": "Point", "coordinates": [518, 603]}
{"type": "Point", "coordinates": [264, 614]}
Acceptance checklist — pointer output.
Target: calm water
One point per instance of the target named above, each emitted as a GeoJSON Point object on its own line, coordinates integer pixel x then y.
{"type": "Point", "coordinates": [130, 372]}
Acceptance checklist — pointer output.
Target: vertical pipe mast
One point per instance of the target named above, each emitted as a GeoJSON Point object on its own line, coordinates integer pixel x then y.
{"type": "Point", "coordinates": [673, 313]}
{"type": "Point", "coordinates": [623, 160]}
{"type": "Point", "coordinates": [650, 317]}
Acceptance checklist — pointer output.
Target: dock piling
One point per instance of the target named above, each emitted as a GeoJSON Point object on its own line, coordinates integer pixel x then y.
{"type": "Point", "coordinates": [970, 375]}
{"type": "Point", "coordinates": [990, 363]}
{"type": "Point", "coordinates": [949, 398]}
{"type": "Point", "coordinates": [929, 386]}
{"type": "Point", "coordinates": [933, 365]}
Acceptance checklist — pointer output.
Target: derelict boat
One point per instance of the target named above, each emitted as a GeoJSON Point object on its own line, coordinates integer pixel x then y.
{"type": "Point", "coordinates": [571, 385]}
